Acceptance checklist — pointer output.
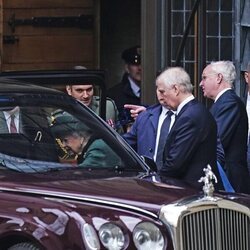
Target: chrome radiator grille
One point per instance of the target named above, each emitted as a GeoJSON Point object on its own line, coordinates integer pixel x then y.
{"type": "Point", "coordinates": [215, 229]}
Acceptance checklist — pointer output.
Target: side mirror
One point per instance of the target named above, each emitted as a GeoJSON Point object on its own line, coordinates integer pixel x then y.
{"type": "Point", "coordinates": [150, 162]}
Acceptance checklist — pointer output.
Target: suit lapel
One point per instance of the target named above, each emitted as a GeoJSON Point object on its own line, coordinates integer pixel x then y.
{"type": "Point", "coordinates": [192, 102]}
{"type": "Point", "coordinates": [219, 101]}
{"type": "Point", "coordinates": [3, 125]}
{"type": "Point", "coordinates": [182, 111]}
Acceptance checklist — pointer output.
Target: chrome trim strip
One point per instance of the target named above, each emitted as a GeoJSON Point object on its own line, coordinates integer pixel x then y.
{"type": "Point", "coordinates": [62, 197]}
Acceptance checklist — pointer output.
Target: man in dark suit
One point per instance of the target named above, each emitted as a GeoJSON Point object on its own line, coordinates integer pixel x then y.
{"type": "Point", "coordinates": [128, 90]}
{"type": "Point", "coordinates": [192, 141]}
{"type": "Point", "coordinates": [246, 100]}
{"type": "Point", "coordinates": [232, 122]}
{"type": "Point", "coordinates": [30, 131]}
{"type": "Point", "coordinates": [6, 121]}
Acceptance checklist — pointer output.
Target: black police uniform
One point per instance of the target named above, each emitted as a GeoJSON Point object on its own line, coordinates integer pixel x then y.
{"type": "Point", "coordinates": [122, 93]}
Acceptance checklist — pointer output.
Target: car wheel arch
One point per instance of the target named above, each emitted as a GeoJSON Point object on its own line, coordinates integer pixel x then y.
{"type": "Point", "coordinates": [11, 240]}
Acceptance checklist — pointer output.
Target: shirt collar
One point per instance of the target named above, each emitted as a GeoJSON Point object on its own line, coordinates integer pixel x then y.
{"type": "Point", "coordinates": [183, 103]}
{"type": "Point", "coordinates": [221, 93]}
{"type": "Point", "coordinates": [165, 110]}
{"type": "Point", "coordinates": [135, 88]}
{"type": "Point", "coordinates": [8, 114]}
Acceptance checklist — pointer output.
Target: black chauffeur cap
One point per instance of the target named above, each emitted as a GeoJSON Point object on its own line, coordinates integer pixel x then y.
{"type": "Point", "coordinates": [132, 55]}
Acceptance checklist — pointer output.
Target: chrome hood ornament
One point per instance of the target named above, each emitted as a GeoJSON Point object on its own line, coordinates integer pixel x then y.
{"type": "Point", "coordinates": [208, 179]}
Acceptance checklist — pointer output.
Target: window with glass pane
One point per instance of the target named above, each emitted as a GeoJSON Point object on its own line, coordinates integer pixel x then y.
{"type": "Point", "coordinates": [216, 33]}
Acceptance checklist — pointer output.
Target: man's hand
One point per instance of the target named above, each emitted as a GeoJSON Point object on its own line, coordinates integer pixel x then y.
{"type": "Point", "coordinates": [111, 123]}
{"type": "Point", "coordinates": [135, 110]}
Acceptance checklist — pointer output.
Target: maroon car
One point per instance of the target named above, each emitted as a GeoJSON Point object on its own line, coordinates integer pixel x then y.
{"type": "Point", "coordinates": [104, 197]}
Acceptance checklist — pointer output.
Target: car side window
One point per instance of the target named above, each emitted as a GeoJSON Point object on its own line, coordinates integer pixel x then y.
{"type": "Point", "coordinates": [81, 144]}
{"type": "Point", "coordinates": [32, 138]}
{"type": "Point", "coordinates": [46, 134]}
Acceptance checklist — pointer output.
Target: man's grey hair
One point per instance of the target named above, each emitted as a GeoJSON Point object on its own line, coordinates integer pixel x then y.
{"type": "Point", "coordinates": [176, 75]}
{"type": "Point", "coordinates": [226, 68]}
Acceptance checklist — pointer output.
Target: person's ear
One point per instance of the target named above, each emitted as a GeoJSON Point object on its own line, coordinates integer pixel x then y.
{"type": "Point", "coordinates": [220, 78]}
{"type": "Point", "coordinates": [68, 89]}
{"type": "Point", "coordinates": [126, 68]}
{"type": "Point", "coordinates": [176, 89]}
{"type": "Point", "coordinates": [246, 75]}
{"type": "Point", "coordinates": [82, 140]}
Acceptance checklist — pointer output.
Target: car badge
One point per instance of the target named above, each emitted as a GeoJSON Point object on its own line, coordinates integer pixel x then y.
{"type": "Point", "coordinates": [208, 179]}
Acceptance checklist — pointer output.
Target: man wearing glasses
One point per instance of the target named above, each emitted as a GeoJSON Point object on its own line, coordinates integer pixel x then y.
{"type": "Point", "coordinates": [231, 118]}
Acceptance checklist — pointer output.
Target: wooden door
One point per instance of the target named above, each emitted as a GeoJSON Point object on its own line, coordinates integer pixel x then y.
{"type": "Point", "coordinates": [48, 34]}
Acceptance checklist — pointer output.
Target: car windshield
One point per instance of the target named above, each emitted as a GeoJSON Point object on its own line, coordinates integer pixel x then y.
{"type": "Point", "coordinates": [41, 132]}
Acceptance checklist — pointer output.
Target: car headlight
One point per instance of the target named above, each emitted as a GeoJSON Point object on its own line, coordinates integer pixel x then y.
{"type": "Point", "coordinates": [90, 237]}
{"type": "Point", "coordinates": [147, 236]}
{"type": "Point", "coordinates": [111, 236]}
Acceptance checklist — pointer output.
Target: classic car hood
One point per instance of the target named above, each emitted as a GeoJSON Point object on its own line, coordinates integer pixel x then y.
{"type": "Point", "coordinates": [125, 190]}
{"type": "Point", "coordinates": [148, 195]}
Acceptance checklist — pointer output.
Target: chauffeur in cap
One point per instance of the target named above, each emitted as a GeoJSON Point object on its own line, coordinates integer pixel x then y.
{"type": "Point", "coordinates": [128, 90]}
{"type": "Point", "coordinates": [79, 140]}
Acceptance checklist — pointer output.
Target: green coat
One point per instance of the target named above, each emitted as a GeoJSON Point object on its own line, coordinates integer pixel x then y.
{"type": "Point", "coordinates": [98, 155]}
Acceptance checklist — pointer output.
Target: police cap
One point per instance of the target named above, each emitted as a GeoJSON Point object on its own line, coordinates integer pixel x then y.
{"type": "Point", "coordinates": [132, 55]}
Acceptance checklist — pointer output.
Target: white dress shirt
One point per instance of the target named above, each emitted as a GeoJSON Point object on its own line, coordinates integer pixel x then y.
{"type": "Point", "coordinates": [8, 115]}
{"type": "Point", "coordinates": [135, 88]}
{"type": "Point", "coordinates": [160, 122]}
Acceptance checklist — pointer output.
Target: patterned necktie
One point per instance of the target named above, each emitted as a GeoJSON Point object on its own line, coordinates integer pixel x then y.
{"type": "Point", "coordinates": [13, 128]}
{"type": "Point", "coordinates": [162, 139]}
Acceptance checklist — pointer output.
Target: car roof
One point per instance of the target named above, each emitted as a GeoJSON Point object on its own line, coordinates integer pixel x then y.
{"type": "Point", "coordinates": [54, 79]}
{"type": "Point", "coordinates": [14, 86]}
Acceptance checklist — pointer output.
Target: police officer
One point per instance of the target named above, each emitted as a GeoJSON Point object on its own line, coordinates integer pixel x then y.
{"type": "Point", "coordinates": [128, 91]}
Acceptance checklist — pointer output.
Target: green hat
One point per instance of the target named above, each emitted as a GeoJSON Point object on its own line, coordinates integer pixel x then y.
{"type": "Point", "coordinates": [65, 124]}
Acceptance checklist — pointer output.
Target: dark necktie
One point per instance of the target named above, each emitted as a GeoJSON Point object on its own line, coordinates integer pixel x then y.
{"type": "Point", "coordinates": [162, 139]}
{"type": "Point", "coordinates": [13, 128]}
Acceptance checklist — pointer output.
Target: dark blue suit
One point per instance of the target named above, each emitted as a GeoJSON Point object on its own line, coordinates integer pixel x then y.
{"type": "Point", "coordinates": [232, 122]}
{"type": "Point", "coordinates": [191, 145]}
{"type": "Point", "coordinates": [244, 99]}
{"type": "Point", "coordinates": [144, 131]}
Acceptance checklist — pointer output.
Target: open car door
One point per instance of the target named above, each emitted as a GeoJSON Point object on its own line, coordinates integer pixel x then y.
{"type": "Point", "coordinates": [59, 79]}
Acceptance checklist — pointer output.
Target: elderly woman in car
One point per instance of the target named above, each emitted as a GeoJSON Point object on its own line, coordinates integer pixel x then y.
{"type": "Point", "coordinates": [79, 140]}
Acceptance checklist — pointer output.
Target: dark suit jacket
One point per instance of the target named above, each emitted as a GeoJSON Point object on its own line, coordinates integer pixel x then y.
{"type": "Point", "coordinates": [142, 135]}
{"type": "Point", "coordinates": [122, 94]}
{"type": "Point", "coordinates": [244, 99]}
{"type": "Point", "coordinates": [34, 136]}
{"type": "Point", "coordinates": [3, 124]}
{"type": "Point", "coordinates": [232, 122]}
{"type": "Point", "coordinates": [191, 145]}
